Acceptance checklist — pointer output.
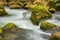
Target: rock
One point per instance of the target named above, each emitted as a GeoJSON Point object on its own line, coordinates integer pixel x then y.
{"type": "Point", "coordinates": [1, 37]}
{"type": "Point", "coordinates": [12, 32]}
{"type": "Point", "coordinates": [49, 27]}
{"type": "Point", "coordinates": [9, 26]}
{"type": "Point", "coordinates": [39, 13]}
{"type": "Point", "coordinates": [3, 12]}
{"type": "Point", "coordinates": [52, 10]}
{"type": "Point", "coordinates": [14, 5]}
{"type": "Point", "coordinates": [55, 36]}
{"type": "Point", "coordinates": [46, 25]}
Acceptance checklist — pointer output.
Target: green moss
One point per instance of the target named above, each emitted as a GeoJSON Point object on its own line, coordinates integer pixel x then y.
{"type": "Point", "coordinates": [22, 4]}
{"type": "Point", "coordinates": [55, 4]}
{"type": "Point", "coordinates": [10, 25]}
{"type": "Point", "coordinates": [45, 26]}
{"type": "Point", "coordinates": [55, 36]}
{"type": "Point", "coordinates": [1, 5]}
{"type": "Point", "coordinates": [39, 13]}
{"type": "Point", "coordinates": [37, 8]}
{"type": "Point", "coordinates": [2, 12]}
{"type": "Point", "coordinates": [52, 10]}
{"type": "Point", "coordinates": [52, 4]}
{"type": "Point", "coordinates": [58, 7]}
{"type": "Point", "coordinates": [1, 31]}
{"type": "Point", "coordinates": [56, 1]}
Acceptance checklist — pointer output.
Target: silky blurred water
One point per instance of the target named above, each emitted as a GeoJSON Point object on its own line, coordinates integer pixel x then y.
{"type": "Point", "coordinates": [21, 18]}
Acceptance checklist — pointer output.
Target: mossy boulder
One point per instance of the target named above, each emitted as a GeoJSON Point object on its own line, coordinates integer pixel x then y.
{"type": "Point", "coordinates": [10, 25]}
{"type": "Point", "coordinates": [10, 32]}
{"type": "Point", "coordinates": [3, 12]}
{"type": "Point", "coordinates": [46, 26]}
{"type": "Point", "coordinates": [55, 4]}
{"type": "Point", "coordinates": [55, 36]}
{"type": "Point", "coordinates": [52, 10]}
{"type": "Point", "coordinates": [39, 13]}
{"type": "Point", "coordinates": [7, 27]}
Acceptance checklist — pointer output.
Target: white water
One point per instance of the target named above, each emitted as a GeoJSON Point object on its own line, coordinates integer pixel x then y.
{"type": "Point", "coordinates": [21, 18]}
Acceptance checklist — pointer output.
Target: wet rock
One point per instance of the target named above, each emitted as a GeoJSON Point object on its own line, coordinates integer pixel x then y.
{"type": "Point", "coordinates": [1, 37]}
{"type": "Point", "coordinates": [12, 32]}
{"type": "Point", "coordinates": [49, 27]}
{"type": "Point", "coordinates": [55, 36]}
{"type": "Point", "coordinates": [14, 5]}
{"type": "Point", "coordinates": [55, 4]}
{"type": "Point", "coordinates": [39, 13]}
{"type": "Point", "coordinates": [9, 26]}
{"type": "Point", "coordinates": [52, 10]}
{"type": "Point", "coordinates": [3, 12]}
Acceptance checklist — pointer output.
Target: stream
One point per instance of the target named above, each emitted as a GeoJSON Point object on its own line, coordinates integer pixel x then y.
{"type": "Point", "coordinates": [21, 18]}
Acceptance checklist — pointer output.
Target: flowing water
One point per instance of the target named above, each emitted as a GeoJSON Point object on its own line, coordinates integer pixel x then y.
{"type": "Point", "coordinates": [21, 18]}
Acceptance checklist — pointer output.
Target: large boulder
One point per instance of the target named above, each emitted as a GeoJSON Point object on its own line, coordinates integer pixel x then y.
{"type": "Point", "coordinates": [39, 13]}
